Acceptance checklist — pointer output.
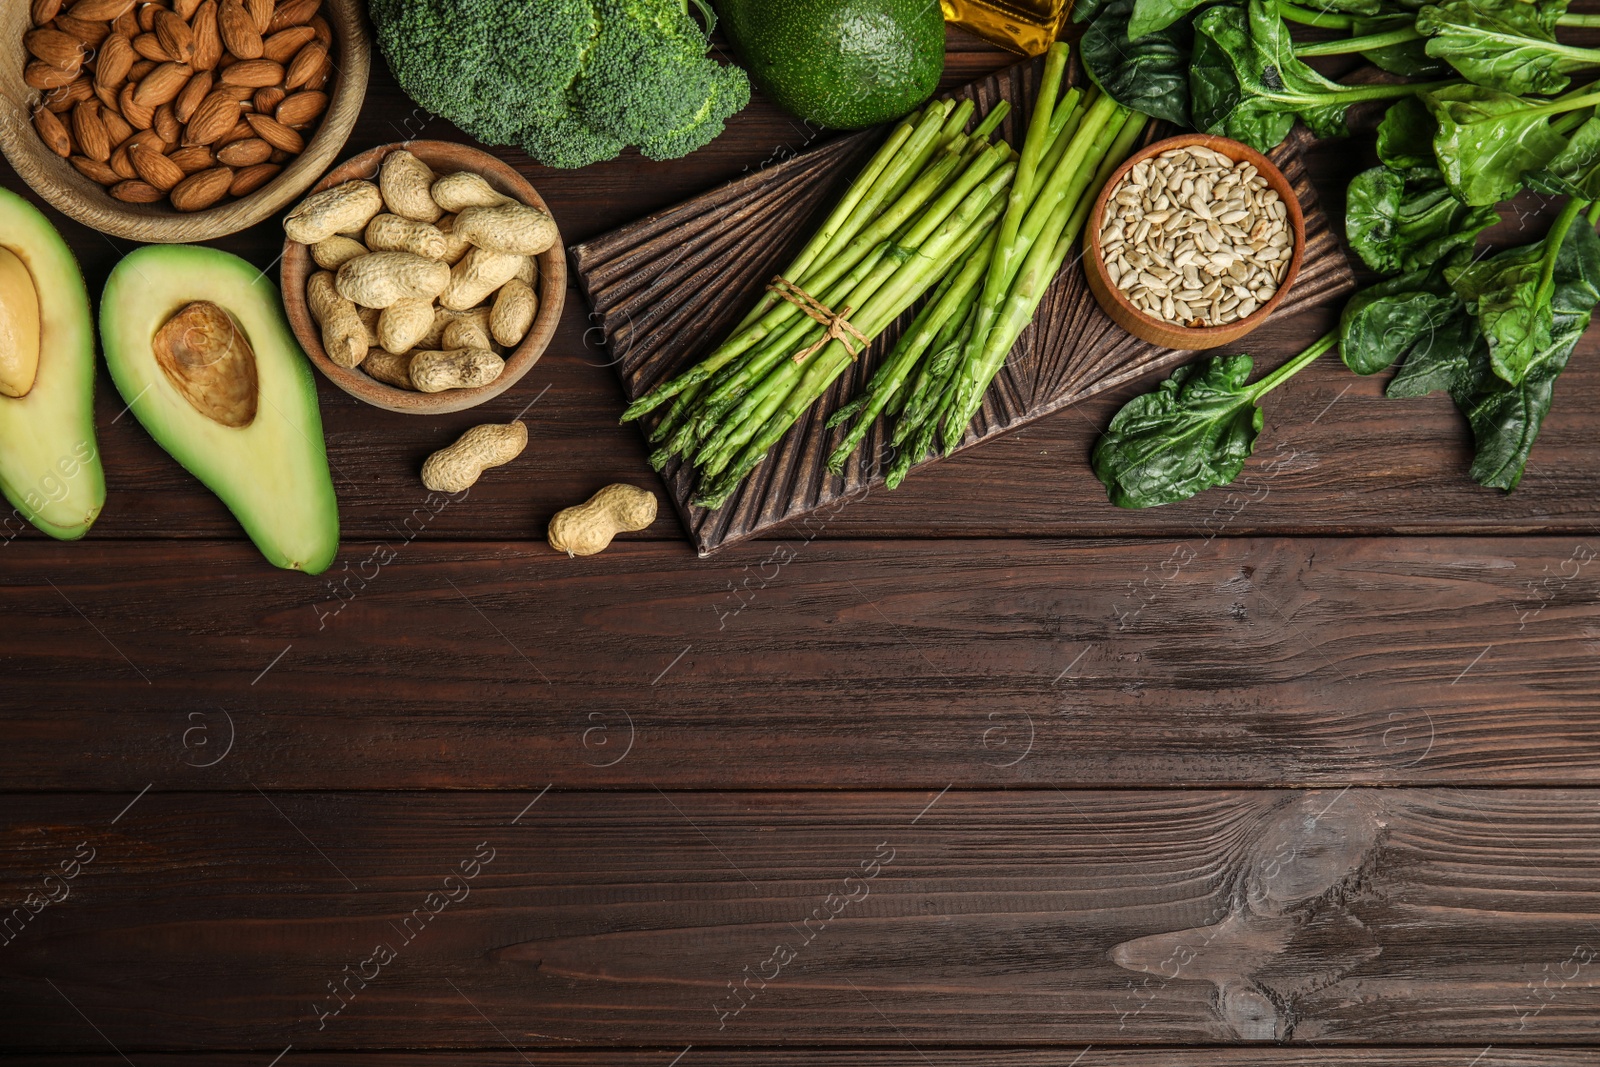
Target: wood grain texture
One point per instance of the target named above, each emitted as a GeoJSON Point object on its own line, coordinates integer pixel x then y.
{"type": "Point", "coordinates": [871, 1056]}
{"type": "Point", "coordinates": [807, 665]}
{"type": "Point", "coordinates": [1310, 917]}
{"type": "Point", "coordinates": [58, 182]}
{"type": "Point", "coordinates": [1072, 350]}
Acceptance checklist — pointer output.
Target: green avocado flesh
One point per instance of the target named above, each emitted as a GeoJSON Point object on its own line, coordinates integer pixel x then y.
{"type": "Point", "coordinates": [268, 465]}
{"type": "Point", "coordinates": [49, 461]}
{"type": "Point", "coordinates": [842, 63]}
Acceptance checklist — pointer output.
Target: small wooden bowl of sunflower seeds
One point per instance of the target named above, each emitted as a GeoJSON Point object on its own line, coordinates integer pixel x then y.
{"type": "Point", "coordinates": [1194, 242]}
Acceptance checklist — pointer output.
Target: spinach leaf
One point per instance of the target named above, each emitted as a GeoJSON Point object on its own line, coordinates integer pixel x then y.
{"type": "Point", "coordinates": [1509, 45]}
{"type": "Point", "coordinates": [1409, 59]}
{"type": "Point", "coordinates": [1246, 83]}
{"type": "Point", "coordinates": [1504, 292]}
{"type": "Point", "coordinates": [1192, 433]}
{"type": "Point", "coordinates": [1394, 319]}
{"type": "Point", "coordinates": [1151, 74]}
{"type": "Point", "coordinates": [1489, 141]}
{"type": "Point", "coordinates": [1087, 10]}
{"type": "Point", "coordinates": [1575, 170]}
{"type": "Point", "coordinates": [1399, 225]}
{"type": "Point", "coordinates": [1405, 137]}
{"type": "Point", "coordinates": [1447, 357]}
{"type": "Point", "coordinates": [1153, 16]}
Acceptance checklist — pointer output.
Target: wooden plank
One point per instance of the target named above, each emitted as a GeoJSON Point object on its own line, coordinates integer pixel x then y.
{"type": "Point", "coordinates": [700, 1056]}
{"type": "Point", "coordinates": [821, 664]}
{"type": "Point", "coordinates": [880, 918]}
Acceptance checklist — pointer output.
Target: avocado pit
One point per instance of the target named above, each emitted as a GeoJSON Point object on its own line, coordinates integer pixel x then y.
{"type": "Point", "coordinates": [209, 360]}
{"type": "Point", "coordinates": [19, 326]}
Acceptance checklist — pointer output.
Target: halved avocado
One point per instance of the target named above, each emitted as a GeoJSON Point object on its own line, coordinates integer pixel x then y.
{"type": "Point", "coordinates": [49, 461]}
{"type": "Point", "coordinates": [199, 347]}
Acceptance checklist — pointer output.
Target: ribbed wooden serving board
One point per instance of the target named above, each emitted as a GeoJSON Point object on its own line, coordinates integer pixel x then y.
{"type": "Point", "coordinates": [667, 288]}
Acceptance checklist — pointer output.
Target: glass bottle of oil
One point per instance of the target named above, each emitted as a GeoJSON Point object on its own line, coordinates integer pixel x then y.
{"type": "Point", "coordinates": [1028, 26]}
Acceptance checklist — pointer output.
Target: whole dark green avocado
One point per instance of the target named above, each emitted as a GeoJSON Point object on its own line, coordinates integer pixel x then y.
{"type": "Point", "coordinates": [840, 63]}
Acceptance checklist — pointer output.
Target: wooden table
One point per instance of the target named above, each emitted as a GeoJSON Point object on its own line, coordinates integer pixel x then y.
{"type": "Point", "coordinates": [981, 772]}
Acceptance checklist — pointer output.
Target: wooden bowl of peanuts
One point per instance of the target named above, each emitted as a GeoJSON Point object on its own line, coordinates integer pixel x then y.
{"type": "Point", "coordinates": [423, 277]}
{"type": "Point", "coordinates": [1194, 242]}
{"type": "Point", "coordinates": [170, 121]}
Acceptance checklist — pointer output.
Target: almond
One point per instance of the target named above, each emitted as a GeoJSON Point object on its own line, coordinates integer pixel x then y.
{"type": "Point", "coordinates": [114, 62]}
{"type": "Point", "coordinates": [162, 85]}
{"type": "Point", "coordinates": [245, 153]}
{"type": "Point", "coordinates": [167, 125]}
{"type": "Point", "coordinates": [56, 48]}
{"type": "Point", "coordinates": [324, 32]}
{"type": "Point", "coordinates": [111, 98]}
{"type": "Point", "coordinates": [308, 63]}
{"type": "Point", "coordinates": [217, 114]}
{"type": "Point", "coordinates": [175, 36]}
{"type": "Point", "coordinates": [207, 37]}
{"type": "Point", "coordinates": [137, 192]}
{"type": "Point", "coordinates": [255, 73]}
{"type": "Point", "coordinates": [282, 46]}
{"type": "Point", "coordinates": [302, 109]}
{"type": "Point", "coordinates": [293, 13]}
{"type": "Point", "coordinates": [141, 67]}
{"type": "Point", "coordinates": [241, 132]}
{"type": "Point", "coordinates": [147, 16]}
{"type": "Point", "coordinates": [145, 138]}
{"type": "Point", "coordinates": [41, 75]}
{"type": "Point", "coordinates": [90, 33]}
{"type": "Point", "coordinates": [250, 179]}
{"type": "Point", "coordinates": [245, 94]}
{"type": "Point", "coordinates": [279, 156]}
{"type": "Point", "coordinates": [199, 191]}
{"type": "Point", "coordinates": [156, 168]}
{"type": "Point", "coordinates": [52, 132]}
{"type": "Point", "coordinates": [117, 127]}
{"type": "Point", "coordinates": [44, 10]}
{"type": "Point", "coordinates": [266, 101]}
{"type": "Point", "coordinates": [276, 134]}
{"type": "Point", "coordinates": [193, 159]}
{"type": "Point", "coordinates": [122, 164]}
{"type": "Point", "coordinates": [90, 132]}
{"type": "Point", "coordinates": [238, 29]}
{"type": "Point", "coordinates": [262, 11]}
{"type": "Point", "coordinates": [198, 89]}
{"type": "Point", "coordinates": [95, 172]}
{"type": "Point", "coordinates": [100, 10]}
{"type": "Point", "coordinates": [150, 47]}
{"type": "Point", "coordinates": [138, 116]}
{"type": "Point", "coordinates": [65, 97]}
{"type": "Point", "coordinates": [127, 25]}
{"type": "Point", "coordinates": [186, 8]}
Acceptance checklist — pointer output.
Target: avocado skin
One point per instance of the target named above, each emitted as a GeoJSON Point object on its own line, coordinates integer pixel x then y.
{"type": "Point", "coordinates": [843, 65]}
{"type": "Point", "coordinates": [272, 473]}
{"type": "Point", "coordinates": [50, 467]}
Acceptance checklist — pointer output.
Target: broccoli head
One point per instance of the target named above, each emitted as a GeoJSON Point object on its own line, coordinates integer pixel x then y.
{"type": "Point", "coordinates": [572, 82]}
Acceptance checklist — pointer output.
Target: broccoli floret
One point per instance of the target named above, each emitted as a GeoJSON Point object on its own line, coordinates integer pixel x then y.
{"type": "Point", "coordinates": [571, 81]}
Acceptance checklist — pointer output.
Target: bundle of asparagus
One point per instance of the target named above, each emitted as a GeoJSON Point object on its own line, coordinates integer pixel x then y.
{"type": "Point", "coordinates": [921, 203]}
{"type": "Point", "coordinates": [943, 364]}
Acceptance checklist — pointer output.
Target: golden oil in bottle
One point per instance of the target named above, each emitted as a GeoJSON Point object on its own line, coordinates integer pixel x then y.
{"type": "Point", "coordinates": [1028, 26]}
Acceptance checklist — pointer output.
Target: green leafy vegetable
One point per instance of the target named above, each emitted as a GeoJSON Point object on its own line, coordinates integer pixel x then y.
{"type": "Point", "coordinates": [1490, 141]}
{"type": "Point", "coordinates": [1511, 294]}
{"type": "Point", "coordinates": [1246, 82]}
{"type": "Point", "coordinates": [1193, 433]}
{"type": "Point", "coordinates": [1153, 16]}
{"type": "Point", "coordinates": [1508, 45]}
{"type": "Point", "coordinates": [1446, 357]}
{"type": "Point", "coordinates": [1398, 225]}
{"type": "Point", "coordinates": [1149, 75]}
{"type": "Point", "coordinates": [1575, 170]}
{"type": "Point", "coordinates": [1405, 137]}
{"type": "Point", "coordinates": [1395, 319]}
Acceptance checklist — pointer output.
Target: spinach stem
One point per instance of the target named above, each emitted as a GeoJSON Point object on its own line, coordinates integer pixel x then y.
{"type": "Point", "coordinates": [1380, 91]}
{"type": "Point", "coordinates": [1594, 213]}
{"type": "Point", "coordinates": [1294, 366]}
{"type": "Point", "coordinates": [1372, 41]}
{"type": "Point", "coordinates": [1326, 20]}
{"type": "Point", "coordinates": [1552, 249]}
{"type": "Point", "coordinates": [1579, 22]}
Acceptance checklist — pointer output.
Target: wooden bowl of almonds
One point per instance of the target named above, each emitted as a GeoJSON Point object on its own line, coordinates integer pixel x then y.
{"type": "Point", "coordinates": [170, 121]}
{"type": "Point", "coordinates": [1194, 242]}
{"type": "Point", "coordinates": [423, 277]}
